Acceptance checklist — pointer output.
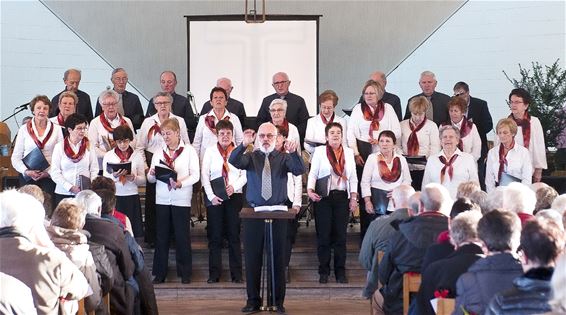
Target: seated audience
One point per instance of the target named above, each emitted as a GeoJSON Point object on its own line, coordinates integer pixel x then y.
{"type": "Point", "coordinates": [480, 198]}
{"type": "Point", "coordinates": [466, 189]}
{"type": "Point", "coordinates": [101, 182]}
{"type": "Point", "coordinates": [558, 283]}
{"type": "Point", "coordinates": [495, 199]}
{"type": "Point", "coordinates": [500, 232]}
{"type": "Point", "coordinates": [541, 244]}
{"type": "Point", "coordinates": [520, 199]}
{"type": "Point", "coordinates": [551, 215]}
{"type": "Point", "coordinates": [559, 204]}
{"type": "Point", "coordinates": [545, 196]}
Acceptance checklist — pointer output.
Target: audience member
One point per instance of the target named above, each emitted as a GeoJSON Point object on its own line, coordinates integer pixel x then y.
{"type": "Point", "coordinates": [480, 198]}
{"type": "Point", "coordinates": [520, 199]}
{"type": "Point", "coordinates": [551, 215]}
{"type": "Point", "coordinates": [495, 199]}
{"type": "Point", "coordinates": [558, 283]}
{"type": "Point", "coordinates": [545, 197]}
{"type": "Point", "coordinates": [72, 79]}
{"type": "Point", "coordinates": [559, 204]}
{"type": "Point", "coordinates": [466, 189]}
{"type": "Point", "coordinates": [438, 112]}
{"type": "Point", "coordinates": [15, 296]}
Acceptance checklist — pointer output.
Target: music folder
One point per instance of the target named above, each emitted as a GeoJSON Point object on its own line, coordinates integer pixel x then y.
{"type": "Point", "coordinates": [35, 160]}
{"type": "Point", "coordinates": [314, 143]}
{"type": "Point", "coordinates": [416, 159]}
{"type": "Point", "coordinates": [322, 186]}
{"type": "Point", "coordinates": [163, 174]}
{"type": "Point", "coordinates": [84, 182]}
{"type": "Point", "coordinates": [219, 188]}
{"type": "Point", "coordinates": [507, 179]}
{"type": "Point", "coordinates": [379, 200]}
{"type": "Point", "coordinates": [115, 167]}
{"type": "Point", "coordinates": [364, 148]}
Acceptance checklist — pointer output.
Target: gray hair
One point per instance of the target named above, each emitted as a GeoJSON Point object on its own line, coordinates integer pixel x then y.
{"type": "Point", "coordinates": [551, 215]}
{"type": "Point", "coordinates": [428, 74]}
{"type": "Point", "coordinates": [464, 227]}
{"type": "Point", "coordinates": [20, 210]}
{"type": "Point", "coordinates": [436, 197]}
{"type": "Point", "coordinates": [495, 199]}
{"type": "Point", "coordinates": [163, 94]}
{"type": "Point", "coordinates": [108, 93]}
{"type": "Point", "coordinates": [66, 74]}
{"type": "Point", "coordinates": [90, 201]}
{"type": "Point", "coordinates": [283, 74]}
{"type": "Point", "coordinates": [466, 189]}
{"type": "Point", "coordinates": [415, 203]}
{"type": "Point", "coordinates": [118, 70]}
{"type": "Point", "coordinates": [442, 129]}
{"type": "Point", "coordinates": [224, 79]}
{"type": "Point", "coordinates": [519, 198]}
{"type": "Point", "coordinates": [280, 102]}
{"type": "Point", "coordinates": [480, 198]}
{"type": "Point", "coordinates": [559, 204]}
{"type": "Point", "coordinates": [401, 195]}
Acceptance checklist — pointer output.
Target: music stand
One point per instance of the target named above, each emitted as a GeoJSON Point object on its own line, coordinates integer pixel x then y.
{"type": "Point", "coordinates": [267, 268]}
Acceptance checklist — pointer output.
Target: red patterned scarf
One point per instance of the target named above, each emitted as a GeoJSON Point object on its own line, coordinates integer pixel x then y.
{"type": "Point", "coordinates": [325, 121]}
{"type": "Point", "coordinates": [284, 125]}
{"type": "Point", "coordinates": [337, 161]}
{"type": "Point", "coordinates": [210, 121]}
{"type": "Point", "coordinates": [503, 159]}
{"type": "Point", "coordinates": [413, 141]}
{"type": "Point", "coordinates": [106, 124]}
{"type": "Point", "coordinates": [170, 160]}
{"type": "Point", "coordinates": [60, 120]}
{"type": "Point", "coordinates": [447, 166]}
{"type": "Point", "coordinates": [40, 144]}
{"type": "Point", "coordinates": [225, 153]}
{"type": "Point", "coordinates": [75, 157]}
{"type": "Point", "coordinates": [525, 124]}
{"type": "Point", "coordinates": [375, 118]}
{"type": "Point", "coordinates": [389, 175]}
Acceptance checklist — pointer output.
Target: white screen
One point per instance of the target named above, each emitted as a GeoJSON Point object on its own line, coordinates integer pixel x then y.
{"type": "Point", "coordinates": [249, 54]}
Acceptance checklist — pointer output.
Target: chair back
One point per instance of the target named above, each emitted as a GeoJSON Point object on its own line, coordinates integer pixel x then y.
{"type": "Point", "coordinates": [411, 284]}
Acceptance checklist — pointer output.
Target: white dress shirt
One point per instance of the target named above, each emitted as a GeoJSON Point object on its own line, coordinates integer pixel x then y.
{"type": "Point", "coordinates": [465, 169]}
{"type": "Point", "coordinates": [187, 168]}
{"type": "Point", "coordinates": [372, 179]}
{"type": "Point", "coordinates": [472, 142]}
{"type": "Point", "coordinates": [212, 168]}
{"type": "Point", "coordinates": [25, 144]}
{"type": "Point", "coordinates": [138, 169]}
{"type": "Point", "coordinates": [358, 127]}
{"type": "Point", "coordinates": [65, 173]}
{"type": "Point", "coordinates": [315, 131]}
{"type": "Point", "coordinates": [156, 142]}
{"type": "Point", "coordinates": [320, 167]}
{"type": "Point", "coordinates": [537, 146]}
{"type": "Point", "coordinates": [204, 137]}
{"type": "Point", "coordinates": [429, 140]}
{"type": "Point", "coordinates": [295, 189]}
{"type": "Point", "coordinates": [96, 133]}
{"type": "Point", "coordinates": [518, 164]}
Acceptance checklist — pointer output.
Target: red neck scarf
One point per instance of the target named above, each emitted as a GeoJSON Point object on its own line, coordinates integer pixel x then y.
{"type": "Point", "coordinates": [325, 121]}
{"type": "Point", "coordinates": [40, 144]}
{"type": "Point", "coordinates": [337, 161]}
{"type": "Point", "coordinates": [389, 175]}
{"type": "Point", "coordinates": [503, 159]}
{"type": "Point", "coordinates": [525, 124]}
{"type": "Point", "coordinates": [413, 141]}
{"type": "Point", "coordinates": [124, 157]}
{"type": "Point", "coordinates": [447, 166]}
{"type": "Point", "coordinates": [75, 157]}
{"type": "Point", "coordinates": [170, 160]}
{"type": "Point", "coordinates": [375, 118]}
{"type": "Point", "coordinates": [285, 125]}
{"type": "Point", "coordinates": [106, 124]}
{"type": "Point", "coordinates": [225, 154]}
{"type": "Point", "coordinates": [210, 121]}
{"type": "Point", "coordinates": [155, 129]}
{"type": "Point", "coordinates": [60, 120]}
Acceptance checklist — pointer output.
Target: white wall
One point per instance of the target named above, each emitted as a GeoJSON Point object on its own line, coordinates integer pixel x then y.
{"type": "Point", "coordinates": [480, 41]}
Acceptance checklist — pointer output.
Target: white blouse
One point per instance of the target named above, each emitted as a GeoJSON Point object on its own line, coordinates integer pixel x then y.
{"type": "Point", "coordinates": [518, 164]}
{"type": "Point", "coordinates": [25, 144]}
{"type": "Point", "coordinates": [358, 127]}
{"type": "Point", "coordinates": [65, 173]}
{"type": "Point", "coordinates": [372, 179]}
{"type": "Point", "coordinates": [537, 147]}
{"type": "Point", "coordinates": [465, 169]}
{"type": "Point", "coordinates": [156, 142]}
{"type": "Point", "coordinates": [315, 131]}
{"type": "Point", "coordinates": [429, 140]}
{"type": "Point", "coordinates": [205, 138]}
{"type": "Point", "coordinates": [472, 142]}
{"type": "Point", "coordinates": [212, 169]}
{"type": "Point", "coordinates": [98, 136]}
{"type": "Point", "coordinates": [187, 168]}
{"type": "Point", "coordinates": [295, 189]}
{"type": "Point", "coordinates": [138, 169]}
{"type": "Point", "coordinates": [320, 167]}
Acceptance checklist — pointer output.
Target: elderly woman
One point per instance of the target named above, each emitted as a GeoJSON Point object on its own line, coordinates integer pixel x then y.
{"type": "Point", "coordinates": [150, 141]}
{"type": "Point", "coordinates": [67, 221]}
{"type": "Point", "coordinates": [419, 137]}
{"type": "Point", "coordinates": [101, 129]}
{"type": "Point", "coordinates": [508, 157]}
{"type": "Point", "coordinates": [205, 135]}
{"type": "Point", "coordinates": [383, 172]}
{"type": "Point", "coordinates": [51, 276]}
{"type": "Point", "coordinates": [67, 105]}
{"type": "Point", "coordinates": [450, 167]}
{"type": "Point", "coordinates": [223, 214]}
{"type": "Point", "coordinates": [74, 160]}
{"type": "Point", "coordinates": [173, 201]}
{"type": "Point", "coordinates": [278, 110]}
{"type": "Point", "coordinates": [333, 164]}
{"type": "Point", "coordinates": [41, 134]}
{"type": "Point", "coordinates": [126, 183]}
{"type": "Point", "coordinates": [470, 141]}
{"type": "Point", "coordinates": [529, 132]}
{"type": "Point", "coordinates": [314, 135]}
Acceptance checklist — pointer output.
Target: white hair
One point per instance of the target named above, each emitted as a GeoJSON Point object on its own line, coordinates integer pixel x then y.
{"type": "Point", "coordinates": [495, 199]}
{"type": "Point", "coordinates": [436, 197]}
{"type": "Point", "coordinates": [551, 215]}
{"type": "Point", "coordinates": [90, 201]}
{"type": "Point", "coordinates": [519, 198]}
{"type": "Point", "coordinates": [428, 74]}
{"type": "Point", "coordinates": [280, 102]}
{"type": "Point", "coordinates": [401, 195]}
{"type": "Point", "coordinates": [559, 204]}
{"type": "Point", "coordinates": [109, 93]}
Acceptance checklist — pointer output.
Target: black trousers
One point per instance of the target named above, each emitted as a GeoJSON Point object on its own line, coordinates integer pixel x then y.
{"type": "Point", "coordinates": [331, 217]}
{"type": "Point", "coordinates": [365, 218]}
{"type": "Point", "coordinates": [149, 217]}
{"type": "Point", "coordinates": [223, 220]}
{"type": "Point", "coordinates": [481, 172]}
{"type": "Point", "coordinates": [131, 207]}
{"type": "Point", "coordinates": [417, 177]}
{"type": "Point", "coordinates": [177, 219]}
{"type": "Point", "coordinates": [253, 252]}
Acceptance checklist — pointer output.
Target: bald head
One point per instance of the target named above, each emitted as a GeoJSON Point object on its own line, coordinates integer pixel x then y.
{"type": "Point", "coordinates": [435, 198]}
{"type": "Point", "coordinates": [226, 84]}
{"type": "Point", "coordinates": [401, 195]}
{"type": "Point", "coordinates": [380, 77]}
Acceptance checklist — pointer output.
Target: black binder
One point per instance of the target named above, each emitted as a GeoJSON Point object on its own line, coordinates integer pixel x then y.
{"type": "Point", "coordinates": [148, 157]}
{"type": "Point", "coordinates": [507, 179]}
{"type": "Point", "coordinates": [416, 159]}
{"type": "Point", "coordinates": [314, 143]}
{"type": "Point", "coordinates": [163, 174]}
{"type": "Point", "coordinates": [322, 186]}
{"type": "Point", "coordinates": [114, 167]}
{"type": "Point", "coordinates": [35, 160]}
{"type": "Point", "coordinates": [84, 182]}
{"type": "Point", "coordinates": [219, 188]}
{"type": "Point", "coordinates": [379, 200]}
{"type": "Point", "coordinates": [364, 148]}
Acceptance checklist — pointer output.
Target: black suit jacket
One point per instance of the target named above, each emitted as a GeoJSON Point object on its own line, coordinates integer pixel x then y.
{"type": "Point", "coordinates": [84, 106]}
{"type": "Point", "coordinates": [478, 111]}
{"type": "Point", "coordinates": [132, 109]}
{"type": "Point", "coordinates": [180, 107]}
{"type": "Point", "coordinates": [439, 105]}
{"type": "Point", "coordinates": [234, 106]}
{"type": "Point", "coordinates": [297, 112]}
{"type": "Point", "coordinates": [392, 100]}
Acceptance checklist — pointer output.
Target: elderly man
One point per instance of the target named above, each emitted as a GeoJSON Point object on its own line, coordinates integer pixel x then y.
{"type": "Point", "coordinates": [181, 106]}
{"type": "Point", "coordinates": [72, 79]}
{"type": "Point", "coordinates": [277, 110]}
{"type": "Point", "coordinates": [130, 105]}
{"type": "Point", "coordinates": [407, 247]}
{"type": "Point", "coordinates": [233, 106]}
{"type": "Point", "coordinates": [266, 172]}
{"type": "Point", "coordinates": [439, 111]}
{"type": "Point", "coordinates": [297, 112]}
{"type": "Point", "coordinates": [387, 97]}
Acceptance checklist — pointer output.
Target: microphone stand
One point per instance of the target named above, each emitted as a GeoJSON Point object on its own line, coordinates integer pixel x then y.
{"type": "Point", "coordinates": [16, 111]}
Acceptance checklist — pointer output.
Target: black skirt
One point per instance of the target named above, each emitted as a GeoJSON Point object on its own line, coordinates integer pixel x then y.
{"type": "Point", "coordinates": [131, 207]}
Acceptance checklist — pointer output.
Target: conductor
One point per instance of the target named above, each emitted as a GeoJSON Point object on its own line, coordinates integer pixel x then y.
{"type": "Point", "coordinates": [266, 171]}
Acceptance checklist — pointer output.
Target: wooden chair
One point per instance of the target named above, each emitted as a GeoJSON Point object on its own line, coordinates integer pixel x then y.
{"type": "Point", "coordinates": [378, 256]}
{"type": "Point", "coordinates": [106, 301]}
{"type": "Point", "coordinates": [445, 306]}
{"type": "Point", "coordinates": [411, 284]}
{"type": "Point", "coordinates": [82, 310]}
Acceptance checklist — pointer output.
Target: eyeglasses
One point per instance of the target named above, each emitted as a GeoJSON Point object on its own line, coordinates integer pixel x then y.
{"type": "Point", "coordinates": [515, 102]}
{"type": "Point", "coordinates": [268, 136]}
{"type": "Point", "coordinates": [162, 103]}
{"type": "Point", "coordinates": [280, 82]}
{"type": "Point", "coordinates": [110, 104]}
{"type": "Point", "coordinates": [278, 110]}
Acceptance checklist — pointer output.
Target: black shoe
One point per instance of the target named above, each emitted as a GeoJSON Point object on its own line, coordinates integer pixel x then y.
{"type": "Point", "coordinates": [237, 280]}
{"type": "Point", "coordinates": [250, 308]}
{"type": "Point", "coordinates": [186, 280]}
{"type": "Point", "coordinates": [323, 279]}
{"type": "Point", "coordinates": [212, 280]}
{"type": "Point", "coordinates": [341, 279]}
{"type": "Point", "coordinates": [158, 280]}
{"type": "Point", "coordinates": [280, 309]}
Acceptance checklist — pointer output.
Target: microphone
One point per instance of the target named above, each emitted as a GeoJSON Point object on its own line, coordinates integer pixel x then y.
{"type": "Point", "coordinates": [190, 94]}
{"type": "Point", "coordinates": [192, 103]}
{"type": "Point", "coordinates": [24, 106]}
